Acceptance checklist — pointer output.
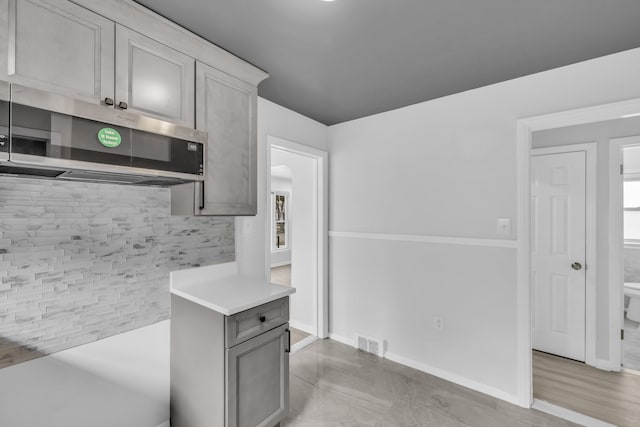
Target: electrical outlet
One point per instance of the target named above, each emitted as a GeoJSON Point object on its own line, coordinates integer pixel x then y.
{"type": "Point", "coordinates": [438, 323]}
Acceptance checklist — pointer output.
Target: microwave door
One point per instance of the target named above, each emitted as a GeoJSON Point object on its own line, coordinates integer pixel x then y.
{"type": "Point", "coordinates": [48, 138]}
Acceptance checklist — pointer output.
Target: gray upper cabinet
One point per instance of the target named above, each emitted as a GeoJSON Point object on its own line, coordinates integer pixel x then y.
{"type": "Point", "coordinates": [4, 38]}
{"type": "Point", "coordinates": [154, 79]}
{"type": "Point", "coordinates": [60, 47]}
{"type": "Point", "coordinates": [226, 110]}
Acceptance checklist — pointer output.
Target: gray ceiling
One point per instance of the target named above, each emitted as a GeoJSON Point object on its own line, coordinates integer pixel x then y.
{"type": "Point", "coordinates": [336, 61]}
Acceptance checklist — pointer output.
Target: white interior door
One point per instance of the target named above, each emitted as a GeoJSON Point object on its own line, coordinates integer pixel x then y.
{"type": "Point", "coordinates": [558, 278]}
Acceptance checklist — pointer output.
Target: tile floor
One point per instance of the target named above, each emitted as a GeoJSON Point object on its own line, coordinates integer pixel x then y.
{"type": "Point", "coordinates": [336, 385]}
{"type": "Point", "coordinates": [331, 385]}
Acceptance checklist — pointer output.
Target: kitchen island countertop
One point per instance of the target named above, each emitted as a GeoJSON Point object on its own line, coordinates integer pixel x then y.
{"type": "Point", "coordinates": [220, 288]}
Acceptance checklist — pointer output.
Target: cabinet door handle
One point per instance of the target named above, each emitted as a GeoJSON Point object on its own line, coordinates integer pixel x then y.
{"type": "Point", "coordinates": [123, 105]}
{"type": "Point", "coordinates": [263, 319]}
{"type": "Point", "coordinates": [108, 101]}
{"type": "Point", "coordinates": [201, 195]}
{"type": "Point", "coordinates": [288, 349]}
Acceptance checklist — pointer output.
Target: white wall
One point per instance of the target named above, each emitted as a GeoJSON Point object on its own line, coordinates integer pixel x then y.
{"type": "Point", "coordinates": [445, 167]}
{"type": "Point", "coordinates": [282, 257]}
{"type": "Point", "coordinates": [600, 133]}
{"type": "Point", "coordinates": [302, 220]}
{"type": "Point", "coordinates": [251, 233]}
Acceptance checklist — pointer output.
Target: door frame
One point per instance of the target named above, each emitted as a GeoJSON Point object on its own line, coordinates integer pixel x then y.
{"type": "Point", "coordinates": [524, 130]}
{"type": "Point", "coordinates": [321, 246]}
{"type": "Point", "coordinates": [591, 162]}
{"type": "Point", "coordinates": [616, 244]}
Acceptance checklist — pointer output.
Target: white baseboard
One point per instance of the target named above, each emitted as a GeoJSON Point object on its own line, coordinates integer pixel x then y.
{"type": "Point", "coordinates": [440, 373]}
{"type": "Point", "coordinates": [454, 378]}
{"type": "Point", "coordinates": [342, 340]}
{"type": "Point", "coordinates": [302, 326]}
{"type": "Point", "coordinates": [280, 264]}
{"type": "Point", "coordinates": [568, 414]}
{"type": "Point", "coordinates": [446, 375]}
{"type": "Point", "coordinates": [605, 365]}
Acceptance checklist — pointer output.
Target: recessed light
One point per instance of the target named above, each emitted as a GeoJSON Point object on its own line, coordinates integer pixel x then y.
{"type": "Point", "coordinates": [631, 115]}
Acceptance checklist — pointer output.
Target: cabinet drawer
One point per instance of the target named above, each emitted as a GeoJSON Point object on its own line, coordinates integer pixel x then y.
{"type": "Point", "coordinates": [250, 323]}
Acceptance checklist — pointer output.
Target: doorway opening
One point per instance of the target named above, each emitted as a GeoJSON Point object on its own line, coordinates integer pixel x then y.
{"type": "Point", "coordinates": [571, 301]}
{"type": "Point", "coordinates": [625, 243]}
{"type": "Point", "coordinates": [563, 249]}
{"type": "Point", "coordinates": [296, 251]}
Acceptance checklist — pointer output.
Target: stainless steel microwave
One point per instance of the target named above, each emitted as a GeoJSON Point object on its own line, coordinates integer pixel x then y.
{"type": "Point", "coordinates": [51, 136]}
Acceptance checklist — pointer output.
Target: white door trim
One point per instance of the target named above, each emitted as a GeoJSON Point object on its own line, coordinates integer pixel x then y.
{"type": "Point", "coordinates": [321, 182]}
{"type": "Point", "coordinates": [616, 249]}
{"type": "Point", "coordinates": [590, 150]}
{"type": "Point", "coordinates": [525, 128]}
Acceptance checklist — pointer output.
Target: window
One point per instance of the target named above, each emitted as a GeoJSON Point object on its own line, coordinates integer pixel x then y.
{"type": "Point", "coordinates": [631, 209]}
{"type": "Point", "coordinates": [280, 228]}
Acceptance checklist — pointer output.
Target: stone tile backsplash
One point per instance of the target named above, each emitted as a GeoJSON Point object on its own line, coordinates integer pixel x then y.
{"type": "Point", "coordinates": [84, 261]}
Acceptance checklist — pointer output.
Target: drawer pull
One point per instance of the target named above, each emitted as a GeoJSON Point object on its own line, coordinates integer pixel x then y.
{"type": "Point", "coordinates": [263, 319]}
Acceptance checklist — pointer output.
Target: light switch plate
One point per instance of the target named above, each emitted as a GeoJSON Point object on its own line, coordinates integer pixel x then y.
{"type": "Point", "coordinates": [503, 227]}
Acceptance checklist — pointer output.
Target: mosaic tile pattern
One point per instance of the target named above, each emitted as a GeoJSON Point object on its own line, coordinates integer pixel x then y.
{"type": "Point", "coordinates": [82, 261]}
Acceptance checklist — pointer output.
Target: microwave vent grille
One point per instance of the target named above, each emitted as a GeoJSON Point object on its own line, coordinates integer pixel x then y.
{"type": "Point", "coordinates": [78, 175]}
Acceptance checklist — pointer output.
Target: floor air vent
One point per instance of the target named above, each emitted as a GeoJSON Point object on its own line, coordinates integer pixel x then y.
{"type": "Point", "coordinates": [370, 345]}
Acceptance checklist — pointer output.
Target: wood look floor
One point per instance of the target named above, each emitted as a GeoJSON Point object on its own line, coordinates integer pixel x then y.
{"type": "Point", "coordinates": [281, 275]}
{"type": "Point", "coordinates": [613, 397]}
{"type": "Point", "coordinates": [336, 385]}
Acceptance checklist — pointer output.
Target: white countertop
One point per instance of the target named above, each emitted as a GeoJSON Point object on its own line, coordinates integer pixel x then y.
{"type": "Point", "coordinates": [220, 288]}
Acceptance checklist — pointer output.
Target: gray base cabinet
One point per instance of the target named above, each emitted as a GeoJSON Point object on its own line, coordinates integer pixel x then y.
{"type": "Point", "coordinates": [230, 371]}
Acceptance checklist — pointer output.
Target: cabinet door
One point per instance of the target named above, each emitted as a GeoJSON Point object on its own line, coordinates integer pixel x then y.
{"type": "Point", "coordinates": [4, 38]}
{"type": "Point", "coordinates": [226, 109]}
{"type": "Point", "coordinates": [61, 47]}
{"type": "Point", "coordinates": [257, 380]}
{"type": "Point", "coordinates": [154, 79]}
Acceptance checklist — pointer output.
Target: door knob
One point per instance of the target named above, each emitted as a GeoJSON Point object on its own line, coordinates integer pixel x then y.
{"type": "Point", "coordinates": [576, 266]}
